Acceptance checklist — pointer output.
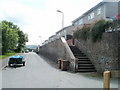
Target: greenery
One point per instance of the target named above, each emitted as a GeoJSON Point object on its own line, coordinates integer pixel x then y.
{"type": "Point", "coordinates": [13, 39]}
{"type": "Point", "coordinates": [7, 55]}
{"type": "Point", "coordinates": [83, 33]}
{"type": "Point", "coordinates": [95, 31]}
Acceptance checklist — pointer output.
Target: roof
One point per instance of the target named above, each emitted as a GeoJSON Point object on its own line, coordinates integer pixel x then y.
{"type": "Point", "coordinates": [17, 56]}
{"type": "Point", "coordinates": [51, 36]}
{"type": "Point", "coordinates": [99, 4]}
{"type": "Point", "coordinates": [63, 29]}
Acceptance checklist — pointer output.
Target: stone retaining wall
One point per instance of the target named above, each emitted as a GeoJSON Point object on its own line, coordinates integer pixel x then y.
{"type": "Point", "coordinates": [104, 54]}
{"type": "Point", "coordinates": [58, 49]}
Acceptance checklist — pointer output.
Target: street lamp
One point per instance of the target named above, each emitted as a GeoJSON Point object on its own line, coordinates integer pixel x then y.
{"type": "Point", "coordinates": [62, 21]}
{"type": "Point", "coordinates": [40, 40]}
{"type": "Point", "coordinates": [62, 17]}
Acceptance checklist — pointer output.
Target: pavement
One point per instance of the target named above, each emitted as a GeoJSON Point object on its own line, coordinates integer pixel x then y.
{"type": "Point", "coordinates": [38, 73]}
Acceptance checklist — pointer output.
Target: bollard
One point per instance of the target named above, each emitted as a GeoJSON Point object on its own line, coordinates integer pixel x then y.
{"type": "Point", "coordinates": [64, 65]}
{"type": "Point", "coordinates": [59, 63]}
{"type": "Point", "coordinates": [106, 75]}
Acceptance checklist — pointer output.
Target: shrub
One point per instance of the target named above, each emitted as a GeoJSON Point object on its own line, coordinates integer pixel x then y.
{"type": "Point", "coordinates": [82, 33]}
{"type": "Point", "coordinates": [85, 33]}
{"type": "Point", "coordinates": [76, 34]}
{"type": "Point", "coordinates": [97, 30]}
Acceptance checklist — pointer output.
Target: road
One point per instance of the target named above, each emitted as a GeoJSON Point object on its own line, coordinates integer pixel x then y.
{"type": "Point", "coordinates": [38, 73]}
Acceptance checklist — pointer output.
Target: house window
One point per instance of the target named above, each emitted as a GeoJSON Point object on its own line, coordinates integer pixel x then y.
{"type": "Point", "coordinates": [91, 16]}
{"type": "Point", "coordinates": [99, 11]}
{"type": "Point", "coordinates": [75, 23]}
{"type": "Point", "coordinates": [59, 34]}
{"type": "Point", "coordinates": [80, 21]}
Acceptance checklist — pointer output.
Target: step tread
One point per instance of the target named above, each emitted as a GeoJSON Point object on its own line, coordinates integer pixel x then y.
{"type": "Point", "coordinates": [86, 70]}
{"type": "Point", "coordinates": [80, 65]}
{"type": "Point", "coordinates": [84, 60]}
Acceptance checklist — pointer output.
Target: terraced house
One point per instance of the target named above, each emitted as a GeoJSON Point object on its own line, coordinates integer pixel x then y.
{"type": "Point", "coordinates": [103, 10]}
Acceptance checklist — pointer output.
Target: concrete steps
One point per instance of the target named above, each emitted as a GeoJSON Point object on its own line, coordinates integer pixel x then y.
{"type": "Point", "coordinates": [84, 63]}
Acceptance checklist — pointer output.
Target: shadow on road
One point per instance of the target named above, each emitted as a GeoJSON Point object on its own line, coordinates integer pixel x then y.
{"type": "Point", "coordinates": [50, 62]}
{"type": "Point", "coordinates": [14, 66]}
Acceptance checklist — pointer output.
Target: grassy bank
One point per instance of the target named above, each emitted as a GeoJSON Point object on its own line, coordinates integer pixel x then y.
{"type": "Point", "coordinates": [7, 55]}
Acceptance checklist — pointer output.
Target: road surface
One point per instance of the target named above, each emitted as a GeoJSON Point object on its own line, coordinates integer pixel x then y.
{"type": "Point", "coordinates": [38, 73]}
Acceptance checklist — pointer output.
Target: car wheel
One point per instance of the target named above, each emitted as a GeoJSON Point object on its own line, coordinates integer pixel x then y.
{"type": "Point", "coordinates": [9, 65]}
{"type": "Point", "coordinates": [23, 63]}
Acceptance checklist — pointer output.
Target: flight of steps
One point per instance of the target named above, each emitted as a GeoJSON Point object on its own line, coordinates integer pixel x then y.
{"type": "Point", "coordinates": [84, 64]}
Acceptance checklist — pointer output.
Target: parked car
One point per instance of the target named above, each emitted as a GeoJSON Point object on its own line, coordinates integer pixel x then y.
{"type": "Point", "coordinates": [26, 51]}
{"type": "Point", "coordinates": [16, 60]}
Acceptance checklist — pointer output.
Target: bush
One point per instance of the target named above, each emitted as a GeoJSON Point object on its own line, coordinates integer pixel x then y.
{"type": "Point", "coordinates": [97, 30]}
{"type": "Point", "coordinates": [76, 34]}
{"type": "Point", "coordinates": [82, 33]}
{"type": "Point", "coordinates": [85, 33]}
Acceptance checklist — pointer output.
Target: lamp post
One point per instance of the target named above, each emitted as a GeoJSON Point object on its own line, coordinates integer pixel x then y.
{"type": "Point", "coordinates": [62, 17]}
{"type": "Point", "coordinates": [40, 40]}
{"type": "Point", "coordinates": [62, 21]}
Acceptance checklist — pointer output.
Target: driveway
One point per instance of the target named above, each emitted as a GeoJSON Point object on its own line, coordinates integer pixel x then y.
{"type": "Point", "coordinates": [38, 73]}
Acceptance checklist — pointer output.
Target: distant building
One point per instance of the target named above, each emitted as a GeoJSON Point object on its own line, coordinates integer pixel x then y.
{"type": "Point", "coordinates": [45, 42]}
{"type": "Point", "coordinates": [103, 10]}
{"type": "Point", "coordinates": [52, 38]}
{"type": "Point", "coordinates": [65, 32]}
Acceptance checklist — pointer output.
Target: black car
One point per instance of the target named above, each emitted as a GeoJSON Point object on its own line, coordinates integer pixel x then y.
{"type": "Point", "coordinates": [16, 60]}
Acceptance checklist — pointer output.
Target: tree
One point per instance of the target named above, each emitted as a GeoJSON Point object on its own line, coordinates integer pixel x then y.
{"type": "Point", "coordinates": [12, 37]}
{"type": "Point", "coordinates": [23, 38]}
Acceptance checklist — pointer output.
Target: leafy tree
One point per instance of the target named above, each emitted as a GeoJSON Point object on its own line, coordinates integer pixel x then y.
{"type": "Point", "coordinates": [9, 37]}
{"type": "Point", "coordinates": [23, 38]}
{"type": "Point", "coordinates": [12, 37]}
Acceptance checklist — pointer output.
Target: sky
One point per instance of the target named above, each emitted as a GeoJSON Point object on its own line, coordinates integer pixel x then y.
{"type": "Point", "coordinates": [39, 18]}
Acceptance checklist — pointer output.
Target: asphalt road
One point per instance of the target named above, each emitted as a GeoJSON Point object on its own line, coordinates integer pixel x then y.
{"type": "Point", "coordinates": [38, 73]}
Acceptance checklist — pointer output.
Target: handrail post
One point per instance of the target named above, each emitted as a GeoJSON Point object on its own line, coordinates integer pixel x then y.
{"type": "Point", "coordinates": [106, 75]}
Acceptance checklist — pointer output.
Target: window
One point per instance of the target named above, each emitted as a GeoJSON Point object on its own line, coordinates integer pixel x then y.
{"type": "Point", "coordinates": [75, 23]}
{"type": "Point", "coordinates": [80, 21]}
{"type": "Point", "coordinates": [99, 11]}
{"type": "Point", "coordinates": [64, 31]}
{"type": "Point", "coordinates": [59, 34]}
{"type": "Point", "coordinates": [91, 16]}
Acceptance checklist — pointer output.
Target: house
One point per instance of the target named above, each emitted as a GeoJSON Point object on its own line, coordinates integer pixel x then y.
{"type": "Point", "coordinates": [52, 38]}
{"type": "Point", "coordinates": [45, 42]}
{"type": "Point", "coordinates": [66, 32]}
{"type": "Point", "coordinates": [103, 10]}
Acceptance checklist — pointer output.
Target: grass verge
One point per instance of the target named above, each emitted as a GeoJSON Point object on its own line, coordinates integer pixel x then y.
{"type": "Point", "coordinates": [6, 55]}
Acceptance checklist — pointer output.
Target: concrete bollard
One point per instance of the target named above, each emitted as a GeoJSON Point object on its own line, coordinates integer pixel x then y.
{"type": "Point", "coordinates": [106, 76]}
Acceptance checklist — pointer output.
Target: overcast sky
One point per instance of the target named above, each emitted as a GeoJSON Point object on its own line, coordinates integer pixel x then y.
{"type": "Point", "coordinates": [40, 17]}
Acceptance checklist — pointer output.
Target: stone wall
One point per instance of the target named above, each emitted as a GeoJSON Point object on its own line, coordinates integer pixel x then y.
{"type": "Point", "coordinates": [58, 49]}
{"type": "Point", "coordinates": [105, 53]}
